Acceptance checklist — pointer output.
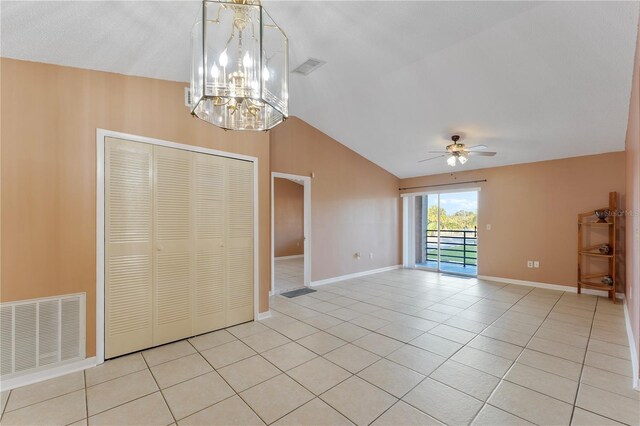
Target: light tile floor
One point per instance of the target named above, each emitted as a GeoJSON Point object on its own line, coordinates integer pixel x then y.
{"type": "Point", "coordinates": [288, 274]}
{"type": "Point", "coordinates": [396, 348]}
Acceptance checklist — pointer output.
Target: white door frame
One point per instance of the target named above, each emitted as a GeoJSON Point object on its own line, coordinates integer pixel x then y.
{"type": "Point", "coordinates": [306, 180]}
{"type": "Point", "coordinates": [408, 224]}
{"type": "Point", "coordinates": [101, 134]}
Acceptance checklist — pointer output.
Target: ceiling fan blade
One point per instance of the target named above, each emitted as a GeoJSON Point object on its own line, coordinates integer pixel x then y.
{"type": "Point", "coordinates": [432, 158]}
{"type": "Point", "coordinates": [477, 147]}
{"type": "Point", "coordinates": [439, 152]}
{"type": "Point", "coordinates": [481, 154]}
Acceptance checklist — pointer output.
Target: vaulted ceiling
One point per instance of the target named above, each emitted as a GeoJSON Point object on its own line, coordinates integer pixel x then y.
{"type": "Point", "coordinates": [531, 80]}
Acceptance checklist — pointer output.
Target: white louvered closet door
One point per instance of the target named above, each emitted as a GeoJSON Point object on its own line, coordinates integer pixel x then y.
{"type": "Point", "coordinates": [239, 227]}
{"type": "Point", "coordinates": [179, 244]}
{"type": "Point", "coordinates": [210, 289]}
{"type": "Point", "coordinates": [173, 245]}
{"type": "Point", "coordinates": [128, 246]}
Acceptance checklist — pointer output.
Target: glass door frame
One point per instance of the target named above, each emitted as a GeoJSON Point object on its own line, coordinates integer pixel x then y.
{"type": "Point", "coordinates": [409, 228]}
{"type": "Point", "coordinates": [426, 254]}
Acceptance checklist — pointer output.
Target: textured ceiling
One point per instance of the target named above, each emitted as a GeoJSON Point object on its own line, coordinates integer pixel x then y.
{"type": "Point", "coordinates": [533, 81]}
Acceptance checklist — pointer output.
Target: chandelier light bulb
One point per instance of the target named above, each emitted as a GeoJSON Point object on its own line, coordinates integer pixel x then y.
{"type": "Point", "coordinates": [215, 73]}
{"type": "Point", "coordinates": [224, 59]}
{"type": "Point", "coordinates": [246, 61]}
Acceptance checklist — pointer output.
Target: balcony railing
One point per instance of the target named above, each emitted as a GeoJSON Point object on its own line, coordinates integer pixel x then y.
{"type": "Point", "coordinates": [456, 246]}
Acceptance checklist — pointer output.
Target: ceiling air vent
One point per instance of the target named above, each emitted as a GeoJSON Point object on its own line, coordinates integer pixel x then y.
{"type": "Point", "coordinates": [309, 66]}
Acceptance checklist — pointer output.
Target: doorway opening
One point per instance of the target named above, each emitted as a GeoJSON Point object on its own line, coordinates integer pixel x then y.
{"type": "Point", "coordinates": [444, 232]}
{"type": "Point", "coordinates": [290, 225]}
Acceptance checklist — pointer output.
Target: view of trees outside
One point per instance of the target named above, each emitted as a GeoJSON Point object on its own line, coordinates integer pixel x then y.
{"type": "Point", "coordinates": [462, 219]}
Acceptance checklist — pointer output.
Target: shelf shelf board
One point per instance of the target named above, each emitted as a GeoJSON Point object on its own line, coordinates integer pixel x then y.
{"type": "Point", "coordinates": [598, 275]}
{"type": "Point", "coordinates": [589, 253]}
{"type": "Point", "coordinates": [598, 286]}
{"type": "Point", "coordinates": [595, 223]}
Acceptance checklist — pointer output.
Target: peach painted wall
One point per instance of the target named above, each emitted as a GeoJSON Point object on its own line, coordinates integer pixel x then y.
{"type": "Point", "coordinates": [532, 210]}
{"type": "Point", "coordinates": [48, 169]}
{"type": "Point", "coordinates": [354, 203]}
{"type": "Point", "coordinates": [633, 202]}
{"type": "Point", "coordinates": [288, 217]}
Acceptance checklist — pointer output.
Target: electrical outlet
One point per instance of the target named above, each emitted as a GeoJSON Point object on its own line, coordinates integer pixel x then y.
{"type": "Point", "coordinates": [536, 264]}
{"type": "Point", "coordinates": [370, 255]}
{"type": "Point", "coordinates": [488, 227]}
{"type": "Point", "coordinates": [529, 263]}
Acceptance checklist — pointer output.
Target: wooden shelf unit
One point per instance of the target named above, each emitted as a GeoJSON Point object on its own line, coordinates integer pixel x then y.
{"type": "Point", "coordinates": [588, 222]}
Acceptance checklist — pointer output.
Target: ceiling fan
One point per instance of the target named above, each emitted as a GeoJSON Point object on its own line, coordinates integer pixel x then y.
{"type": "Point", "coordinates": [459, 152]}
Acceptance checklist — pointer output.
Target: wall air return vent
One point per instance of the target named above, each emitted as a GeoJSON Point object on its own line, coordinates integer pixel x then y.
{"type": "Point", "coordinates": [308, 66]}
{"type": "Point", "coordinates": [42, 333]}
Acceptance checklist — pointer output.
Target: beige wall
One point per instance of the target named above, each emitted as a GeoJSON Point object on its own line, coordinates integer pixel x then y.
{"type": "Point", "coordinates": [354, 203]}
{"type": "Point", "coordinates": [288, 218]}
{"type": "Point", "coordinates": [48, 170]}
{"type": "Point", "coordinates": [633, 202]}
{"type": "Point", "coordinates": [532, 210]}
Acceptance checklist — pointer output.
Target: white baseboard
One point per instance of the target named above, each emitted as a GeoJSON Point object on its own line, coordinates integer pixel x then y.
{"type": "Point", "coordinates": [295, 256]}
{"type": "Point", "coordinates": [47, 373]}
{"type": "Point", "coordinates": [633, 348]}
{"type": "Point", "coordinates": [527, 283]}
{"type": "Point", "coordinates": [263, 315]}
{"type": "Point", "coordinates": [354, 275]}
{"type": "Point", "coordinates": [558, 287]}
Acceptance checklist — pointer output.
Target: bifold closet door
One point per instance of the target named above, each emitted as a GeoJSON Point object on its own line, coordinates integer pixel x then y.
{"type": "Point", "coordinates": [210, 269]}
{"type": "Point", "coordinates": [128, 246]}
{"type": "Point", "coordinates": [239, 260]}
{"type": "Point", "coordinates": [179, 244]}
{"type": "Point", "coordinates": [174, 245]}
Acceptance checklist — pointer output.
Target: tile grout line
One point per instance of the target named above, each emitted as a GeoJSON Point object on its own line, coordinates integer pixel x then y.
{"type": "Point", "coordinates": [584, 359]}
{"type": "Point", "coordinates": [86, 396]}
{"type": "Point", "coordinates": [6, 404]}
{"type": "Point", "coordinates": [46, 399]}
{"type": "Point", "coordinates": [159, 388]}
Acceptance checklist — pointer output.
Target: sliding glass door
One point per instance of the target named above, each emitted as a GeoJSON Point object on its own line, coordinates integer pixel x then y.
{"type": "Point", "coordinates": [446, 233]}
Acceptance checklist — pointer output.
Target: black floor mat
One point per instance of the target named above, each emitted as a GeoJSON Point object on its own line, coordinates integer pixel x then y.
{"type": "Point", "coordinates": [298, 292]}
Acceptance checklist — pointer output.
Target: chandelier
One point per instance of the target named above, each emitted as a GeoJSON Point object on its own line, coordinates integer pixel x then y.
{"type": "Point", "coordinates": [240, 66]}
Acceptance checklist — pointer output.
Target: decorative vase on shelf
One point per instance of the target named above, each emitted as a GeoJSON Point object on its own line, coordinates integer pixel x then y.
{"type": "Point", "coordinates": [601, 215]}
{"type": "Point", "coordinates": [604, 249]}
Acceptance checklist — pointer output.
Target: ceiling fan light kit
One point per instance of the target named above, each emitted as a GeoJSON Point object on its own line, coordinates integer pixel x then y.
{"type": "Point", "coordinates": [458, 152]}
{"type": "Point", "coordinates": [239, 67]}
